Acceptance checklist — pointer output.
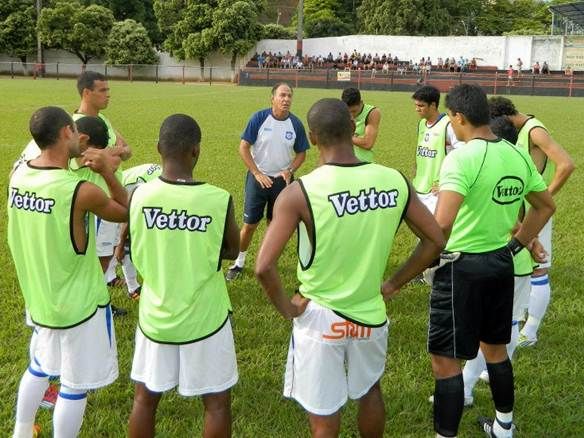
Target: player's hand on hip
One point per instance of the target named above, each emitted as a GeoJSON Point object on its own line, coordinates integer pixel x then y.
{"type": "Point", "coordinates": [388, 290]}
{"type": "Point", "coordinates": [299, 304]}
{"type": "Point", "coordinates": [264, 180]}
{"type": "Point", "coordinates": [538, 252]}
{"type": "Point", "coordinates": [101, 160]}
{"type": "Point", "coordinates": [287, 175]}
{"type": "Point", "coordinates": [119, 253]}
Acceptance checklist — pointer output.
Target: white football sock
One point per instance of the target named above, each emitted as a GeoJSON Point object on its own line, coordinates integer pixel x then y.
{"type": "Point", "coordinates": [240, 260]}
{"type": "Point", "coordinates": [512, 345]}
{"type": "Point", "coordinates": [505, 418]}
{"type": "Point", "coordinates": [69, 410]}
{"type": "Point", "coordinates": [130, 274]}
{"type": "Point", "coordinates": [538, 303]}
{"type": "Point", "coordinates": [110, 273]}
{"type": "Point", "coordinates": [471, 372]}
{"type": "Point", "coordinates": [32, 388]}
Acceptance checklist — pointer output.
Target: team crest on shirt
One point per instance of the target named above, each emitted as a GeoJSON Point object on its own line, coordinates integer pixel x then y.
{"type": "Point", "coordinates": [508, 190]}
{"type": "Point", "coordinates": [289, 135]}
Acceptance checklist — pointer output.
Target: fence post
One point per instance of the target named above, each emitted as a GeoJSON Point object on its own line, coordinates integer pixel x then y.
{"type": "Point", "coordinates": [532, 84]}
{"type": "Point", "coordinates": [391, 80]}
{"type": "Point", "coordinates": [359, 79]}
{"type": "Point", "coordinates": [12, 70]}
{"type": "Point", "coordinates": [105, 71]}
{"type": "Point", "coordinates": [296, 79]}
{"type": "Point", "coordinates": [495, 87]}
{"type": "Point", "coordinates": [268, 76]}
{"type": "Point", "coordinates": [211, 76]}
{"type": "Point", "coordinates": [130, 73]}
{"type": "Point", "coordinates": [156, 73]}
{"type": "Point", "coordinates": [571, 85]}
{"type": "Point", "coordinates": [183, 74]}
{"type": "Point", "coordinates": [460, 78]}
{"type": "Point", "coordinates": [57, 70]}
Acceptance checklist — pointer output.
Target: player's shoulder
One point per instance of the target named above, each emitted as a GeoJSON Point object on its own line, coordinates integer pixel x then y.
{"type": "Point", "coordinates": [261, 115]}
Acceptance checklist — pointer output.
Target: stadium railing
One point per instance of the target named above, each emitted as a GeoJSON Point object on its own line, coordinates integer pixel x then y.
{"type": "Point", "coordinates": [493, 82]}
{"type": "Point", "coordinates": [130, 72]}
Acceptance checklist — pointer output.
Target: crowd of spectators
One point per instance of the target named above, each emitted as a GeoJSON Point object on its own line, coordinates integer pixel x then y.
{"type": "Point", "coordinates": [364, 61]}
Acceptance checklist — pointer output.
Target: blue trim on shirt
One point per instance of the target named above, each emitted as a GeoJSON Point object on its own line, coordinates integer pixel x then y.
{"type": "Point", "coordinates": [301, 143]}
{"type": "Point", "coordinates": [254, 124]}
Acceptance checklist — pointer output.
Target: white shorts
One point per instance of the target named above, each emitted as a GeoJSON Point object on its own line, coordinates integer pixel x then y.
{"type": "Point", "coordinates": [429, 200]}
{"type": "Point", "coordinates": [84, 356]}
{"type": "Point", "coordinates": [331, 359]}
{"type": "Point", "coordinates": [521, 297]}
{"type": "Point", "coordinates": [545, 237]}
{"type": "Point", "coordinates": [201, 367]}
{"type": "Point", "coordinates": [107, 237]}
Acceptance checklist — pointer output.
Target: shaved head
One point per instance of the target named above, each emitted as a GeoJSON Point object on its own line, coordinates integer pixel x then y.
{"type": "Point", "coordinates": [330, 121]}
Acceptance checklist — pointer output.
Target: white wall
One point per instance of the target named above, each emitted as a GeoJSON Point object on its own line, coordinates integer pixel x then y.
{"type": "Point", "coordinates": [495, 51]}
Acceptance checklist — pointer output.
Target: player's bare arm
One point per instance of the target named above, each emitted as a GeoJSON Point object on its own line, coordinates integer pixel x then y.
{"type": "Point", "coordinates": [289, 210]}
{"type": "Point", "coordinates": [424, 226]}
{"type": "Point", "coordinates": [449, 203]}
{"type": "Point", "coordinates": [371, 131]}
{"type": "Point", "coordinates": [296, 163]}
{"type": "Point", "coordinates": [245, 153]}
{"type": "Point", "coordinates": [547, 146]}
{"type": "Point", "coordinates": [230, 246]}
{"type": "Point", "coordinates": [542, 208]}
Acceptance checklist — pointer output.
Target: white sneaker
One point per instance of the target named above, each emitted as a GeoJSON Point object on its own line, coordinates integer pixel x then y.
{"type": "Point", "coordinates": [468, 401]}
{"type": "Point", "coordinates": [484, 376]}
{"type": "Point", "coordinates": [524, 341]}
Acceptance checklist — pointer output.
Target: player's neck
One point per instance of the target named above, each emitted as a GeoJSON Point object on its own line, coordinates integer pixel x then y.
{"type": "Point", "coordinates": [88, 110]}
{"type": "Point", "coordinates": [52, 158]}
{"type": "Point", "coordinates": [280, 114]}
{"type": "Point", "coordinates": [177, 172]}
{"type": "Point", "coordinates": [483, 132]}
{"type": "Point", "coordinates": [432, 118]}
{"type": "Point", "coordinates": [338, 155]}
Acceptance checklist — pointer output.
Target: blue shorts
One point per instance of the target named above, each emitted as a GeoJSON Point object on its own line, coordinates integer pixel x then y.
{"type": "Point", "coordinates": [256, 198]}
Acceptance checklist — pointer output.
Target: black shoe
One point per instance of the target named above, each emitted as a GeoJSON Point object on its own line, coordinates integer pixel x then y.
{"type": "Point", "coordinates": [118, 311]}
{"type": "Point", "coordinates": [233, 273]}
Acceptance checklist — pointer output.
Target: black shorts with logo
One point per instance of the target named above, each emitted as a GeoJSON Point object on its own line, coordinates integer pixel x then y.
{"type": "Point", "coordinates": [471, 301]}
{"type": "Point", "coordinates": [258, 198]}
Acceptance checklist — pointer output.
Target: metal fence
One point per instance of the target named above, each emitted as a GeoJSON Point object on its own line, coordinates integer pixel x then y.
{"type": "Point", "coordinates": [129, 72]}
{"type": "Point", "coordinates": [493, 82]}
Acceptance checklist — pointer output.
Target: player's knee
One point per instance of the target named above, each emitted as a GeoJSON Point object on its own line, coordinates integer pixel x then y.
{"type": "Point", "coordinates": [325, 426]}
{"type": "Point", "coordinates": [218, 403]}
{"type": "Point", "coordinates": [145, 397]}
{"type": "Point", "coordinates": [444, 367]}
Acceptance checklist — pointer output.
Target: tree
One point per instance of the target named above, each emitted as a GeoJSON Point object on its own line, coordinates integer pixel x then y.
{"type": "Point", "coordinates": [273, 31]}
{"type": "Point", "coordinates": [18, 33]}
{"type": "Point", "coordinates": [77, 29]}
{"type": "Point", "coordinates": [186, 26]}
{"type": "Point", "coordinates": [236, 28]}
{"type": "Point", "coordinates": [324, 24]}
{"type": "Point", "coordinates": [128, 43]}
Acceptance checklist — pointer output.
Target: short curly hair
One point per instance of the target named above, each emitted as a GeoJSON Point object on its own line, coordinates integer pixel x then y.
{"type": "Point", "coordinates": [501, 106]}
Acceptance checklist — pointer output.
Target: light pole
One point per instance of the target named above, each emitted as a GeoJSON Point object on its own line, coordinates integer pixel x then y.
{"type": "Point", "coordinates": [39, 6]}
{"type": "Point", "coordinates": [299, 30]}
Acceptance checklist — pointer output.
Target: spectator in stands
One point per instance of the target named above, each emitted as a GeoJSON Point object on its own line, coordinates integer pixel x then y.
{"type": "Point", "coordinates": [536, 68]}
{"type": "Point", "coordinates": [545, 68]}
{"type": "Point", "coordinates": [473, 64]}
{"type": "Point", "coordinates": [385, 68]}
{"type": "Point", "coordinates": [568, 71]}
{"type": "Point", "coordinates": [260, 60]}
{"type": "Point", "coordinates": [329, 58]}
{"type": "Point", "coordinates": [510, 76]}
{"type": "Point", "coordinates": [440, 63]}
{"type": "Point", "coordinates": [519, 66]}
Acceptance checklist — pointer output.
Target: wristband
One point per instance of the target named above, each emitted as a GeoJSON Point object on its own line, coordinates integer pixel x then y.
{"type": "Point", "coordinates": [515, 246]}
{"type": "Point", "coordinates": [291, 170]}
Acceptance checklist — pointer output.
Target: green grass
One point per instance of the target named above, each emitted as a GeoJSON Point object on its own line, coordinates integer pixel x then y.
{"type": "Point", "coordinates": [549, 377]}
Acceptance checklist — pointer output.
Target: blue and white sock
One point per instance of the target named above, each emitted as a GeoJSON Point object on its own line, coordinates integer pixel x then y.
{"type": "Point", "coordinates": [538, 303]}
{"type": "Point", "coordinates": [69, 410]}
{"type": "Point", "coordinates": [32, 388]}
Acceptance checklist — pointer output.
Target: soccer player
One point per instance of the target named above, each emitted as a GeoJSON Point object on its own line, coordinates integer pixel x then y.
{"type": "Point", "coordinates": [53, 248]}
{"type": "Point", "coordinates": [436, 138]}
{"type": "Point", "coordinates": [132, 177]}
{"type": "Point", "coordinates": [556, 166]}
{"type": "Point", "coordinates": [347, 212]}
{"type": "Point", "coordinates": [180, 230]}
{"type": "Point", "coordinates": [523, 268]}
{"type": "Point", "coordinates": [273, 147]}
{"type": "Point", "coordinates": [482, 187]}
{"type": "Point", "coordinates": [367, 119]}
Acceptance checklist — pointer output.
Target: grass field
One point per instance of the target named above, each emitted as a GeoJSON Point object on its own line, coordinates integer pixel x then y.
{"type": "Point", "coordinates": [549, 377]}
